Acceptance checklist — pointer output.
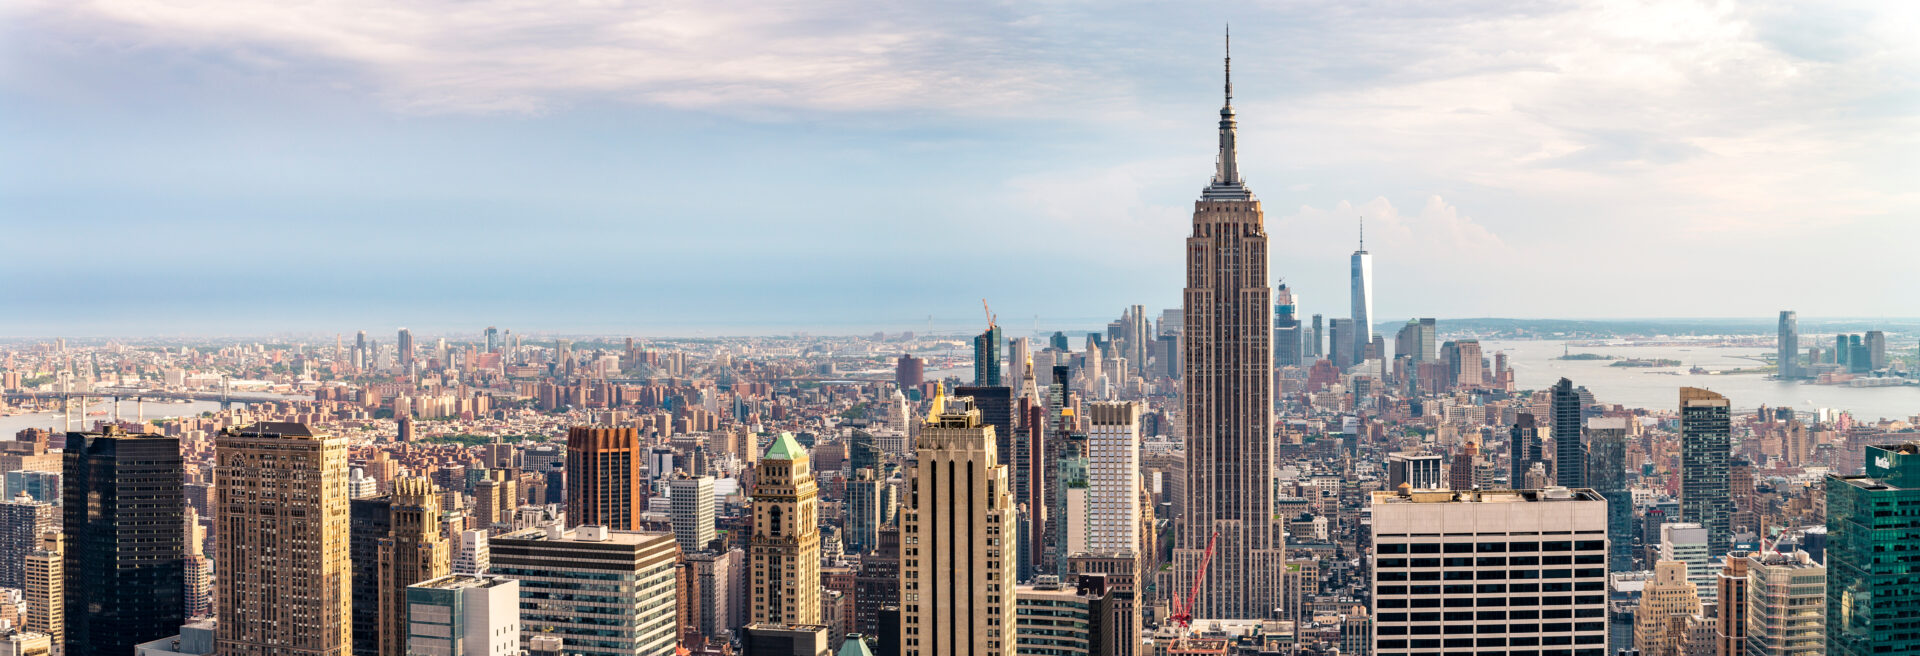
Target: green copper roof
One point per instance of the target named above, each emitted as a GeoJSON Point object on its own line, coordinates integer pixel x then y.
{"type": "Point", "coordinates": [784, 447]}
{"type": "Point", "coordinates": [854, 646]}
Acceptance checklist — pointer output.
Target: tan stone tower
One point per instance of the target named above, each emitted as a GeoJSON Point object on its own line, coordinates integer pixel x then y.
{"type": "Point", "coordinates": [1228, 399]}
{"type": "Point", "coordinates": [785, 586]}
{"type": "Point", "coordinates": [957, 540]}
{"type": "Point", "coordinates": [284, 584]}
{"type": "Point", "coordinates": [415, 550]}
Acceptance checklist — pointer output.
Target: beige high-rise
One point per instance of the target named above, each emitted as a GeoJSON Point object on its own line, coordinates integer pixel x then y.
{"type": "Point", "coordinates": [415, 550]}
{"type": "Point", "coordinates": [785, 549]}
{"type": "Point", "coordinates": [1227, 393]}
{"type": "Point", "coordinates": [957, 541]}
{"type": "Point", "coordinates": [46, 588]}
{"type": "Point", "coordinates": [284, 583]}
{"type": "Point", "coordinates": [1669, 597]}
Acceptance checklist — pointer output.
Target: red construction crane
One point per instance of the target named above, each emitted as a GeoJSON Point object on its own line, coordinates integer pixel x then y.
{"type": "Point", "coordinates": [1183, 612]}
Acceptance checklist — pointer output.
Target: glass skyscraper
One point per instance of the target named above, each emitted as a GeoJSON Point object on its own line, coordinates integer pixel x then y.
{"type": "Point", "coordinates": [1871, 607]}
{"type": "Point", "coordinates": [1607, 474]}
{"type": "Point", "coordinates": [1569, 454]}
{"type": "Point", "coordinates": [1705, 447]}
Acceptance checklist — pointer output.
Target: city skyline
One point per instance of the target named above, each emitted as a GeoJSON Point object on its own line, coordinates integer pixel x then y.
{"type": "Point", "coordinates": [436, 182]}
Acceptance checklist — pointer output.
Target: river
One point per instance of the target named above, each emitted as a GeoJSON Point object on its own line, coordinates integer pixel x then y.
{"type": "Point", "coordinates": [14, 424]}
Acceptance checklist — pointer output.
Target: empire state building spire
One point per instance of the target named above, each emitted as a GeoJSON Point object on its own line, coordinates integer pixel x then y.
{"type": "Point", "coordinates": [1226, 183]}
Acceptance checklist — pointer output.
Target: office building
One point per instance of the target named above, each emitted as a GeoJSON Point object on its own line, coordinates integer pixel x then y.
{"type": "Point", "coordinates": [1787, 348]}
{"type": "Point", "coordinates": [1228, 396]}
{"type": "Point", "coordinates": [1113, 476]}
{"type": "Point", "coordinates": [1705, 447]}
{"type": "Point", "coordinates": [1569, 453]}
{"type": "Point", "coordinates": [605, 484]}
{"type": "Point", "coordinates": [369, 522]}
{"type": "Point", "coordinates": [1607, 474]}
{"type": "Point", "coordinates": [282, 490]}
{"type": "Point", "coordinates": [1731, 583]}
{"type": "Point", "coordinates": [786, 640]}
{"type": "Point", "coordinates": [1537, 561]}
{"type": "Point", "coordinates": [22, 522]}
{"type": "Point", "coordinates": [865, 496]}
{"type": "Point", "coordinates": [717, 599]}
{"type": "Point", "coordinates": [406, 350]}
{"type": "Point", "coordinates": [41, 486]}
{"type": "Point", "coordinates": [1786, 605]}
{"type": "Point", "coordinates": [1362, 292]}
{"type": "Point", "coordinates": [1687, 542]}
{"type": "Point", "coordinates": [784, 552]}
{"type": "Point", "coordinates": [1876, 344]}
{"type": "Point", "coordinates": [1870, 605]}
{"type": "Point", "coordinates": [909, 372]}
{"type": "Point", "coordinates": [693, 512]}
{"type": "Point", "coordinates": [1418, 341]}
{"type": "Point", "coordinates": [415, 550]}
{"type": "Point", "coordinates": [1340, 347]}
{"type": "Point", "coordinates": [1316, 338]}
{"type": "Point", "coordinates": [957, 530]}
{"type": "Point", "coordinates": [471, 555]}
{"type": "Point", "coordinates": [986, 357]}
{"type": "Point", "coordinates": [1524, 450]}
{"type": "Point", "coordinates": [1053, 619]}
{"type": "Point", "coordinates": [632, 577]}
{"type": "Point", "coordinates": [46, 588]}
{"type": "Point", "coordinates": [460, 615]}
{"type": "Point", "coordinates": [1289, 344]}
{"type": "Point", "coordinates": [125, 523]}
{"type": "Point", "coordinates": [1665, 603]}
{"type": "Point", "coordinates": [1416, 471]}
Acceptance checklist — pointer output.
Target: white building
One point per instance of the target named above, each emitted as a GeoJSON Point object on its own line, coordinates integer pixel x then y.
{"type": "Point", "coordinates": [692, 512]}
{"type": "Point", "coordinates": [463, 615]}
{"type": "Point", "coordinates": [1687, 543]}
{"type": "Point", "coordinates": [1113, 478]}
{"type": "Point", "coordinates": [471, 555]}
{"type": "Point", "coordinates": [632, 575]}
{"type": "Point", "coordinates": [1490, 572]}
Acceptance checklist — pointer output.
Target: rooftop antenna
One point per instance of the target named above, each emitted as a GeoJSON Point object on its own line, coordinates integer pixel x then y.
{"type": "Point", "coordinates": [1363, 233]}
{"type": "Point", "coordinates": [1229, 63]}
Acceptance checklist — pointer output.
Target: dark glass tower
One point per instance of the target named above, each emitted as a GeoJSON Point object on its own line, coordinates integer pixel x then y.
{"type": "Point", "coordinates": [1607, 474]}
{"type": "Point", "coordinates": [1524, 449]}
{"type": "Point", "coordinates": [1569, 454]}
{"type": "Point", "coordinates": [1706, 444]}
{"type": "Point", "coordinates": [1787, 358]}
{"type": "Point", "coordinates": [986, 358]}
{"type": "Point", "coordinates": [125, 523]}
{"type": "Point", "coordinates": [370, 520]}
{"type": "Point", "coordinates": [1870, 529]}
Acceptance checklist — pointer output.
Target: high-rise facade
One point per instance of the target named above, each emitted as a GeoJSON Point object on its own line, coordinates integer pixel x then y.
{"type": "Point", "coordinates": [282, 490]}
{"type": "Point", "coordinates": [624, 581]}
{"type": "Point", "coordinates": [1731, 586]}
{"type": "Point", "coordinates": [693, 512]}
{"type": "Point", "coordinates": [1787, 352]}
{"type": "Point", "coordinates": [1490, 572]}
{"type": "Point", "coordinates": [1786, 605]}
{"type": "Point", "coordinates": [125, 523]}
{"type": "Point", "coordinates": [864, 512]}
{"type": "Point", "coordinates": [1020, 364]}
{"type": "Point", "coordinates": [1524, 450]}
{"type": "Point", "coordinates": [1113, 477]}
{"type": "Point", "coordinates": [784, 555]}
{"type": "Point", "coordinates": [1228, 397]}
{"type": "Point", "coordinates": [46, 588]}
{"type": "Point", "coordinates": [1669, 596]}
{"type": "Point", "coordinates": [1288, 342]}
{"type": "Point", "coordinates": [369, 522]}
{"type": "Point", "coordinates": [405, 343]}
{"type": "Point", "coordinates": [1362, 291]}
{"type": "Point", "coordinates": [957, 534]}
{"type": "Point", "coordinates": [461, 615]}
{"type": "Point", "coordinates": [1340, 346]}
{"type": "Point", "coordinates": [414, 550]}
{"type": "Point", "coordinates": [1569, 453]}
{"type": "Point", "coordinates": [22, 522]}
{"type": "Point", "coordinates": [1870, 602]}
{"type": "Point", "coordinates": [605, 486]}
{"type": "Point", "coordinates": [986, 358]}
{"type": "Point", "coordinates": [1607, 474]}
{"type": "Point", "coordinates": [1706, 444]}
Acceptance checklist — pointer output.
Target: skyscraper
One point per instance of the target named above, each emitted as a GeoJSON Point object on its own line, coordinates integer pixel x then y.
{"type": "Point", "coordinates": [369, 522]}
{"type": "Point", "coordinates": [126, 541]}
{"type": "Point", "coordinates": [1668, 596]}
{"type": "Point", "coordinates": [632, 576]}
{"type": "Point", "coordinates": [463, 616]}
{"type": "Point", "coordinates": [46, 588]}
{"type": "Point", "coordinates": [1288, 342]}
{"type": "Point", "coordinates": [1113, 475]}
{"type": "Point", "coordinates": [1020, 364]}
{"type": "Point", "coordinates": [1786, 603]}
{"type": "Point", "coordinates": [405, 345]}
{"type": "Point", "coordinates": [1340, 344]}
{"type": "Point", "coordinates": [1499, 538]}
{"type": "Point", "coordinates": [1870, 600]}
{"type": "Point", "coordinates": [1607, 474]}
{"type": "Point", "coordinates": [1228, 397]}
{"type": "Point", "coordinates": [415, 550]}
{"type": "Point", "coordinates": [785, 551]}
{"type": "Point", "coordinates": [1317, 339]}
{"type": "Point", "coordinates": [956, 579]}
{"type": "Point", "coordinates": [282, 490]}
{"type": "Point", "coordinates": [986, 357]}
{"type": "Point", "coordinates": [1569, 454]}
{"type": "Point", "coordinates": [22, 522]}
{"type": "Point", "coordinates": [605, 486]}
{"type": "Point", "coordinates": [693, 512]}
{"type": "Point", "coordinates": [1362, 270]}
{"type": "Point", "coordinates": [1705, 446]}
{"type": "Point", "coordinates": [1524, 450]}
{"type": "Point", "coordinates": [1787, 354]}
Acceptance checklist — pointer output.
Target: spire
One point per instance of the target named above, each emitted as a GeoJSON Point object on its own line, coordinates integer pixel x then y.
{"type": "Point", "coordinates": [1226, 184]}
{"type": "Point", "coordinates": [1363, 233]}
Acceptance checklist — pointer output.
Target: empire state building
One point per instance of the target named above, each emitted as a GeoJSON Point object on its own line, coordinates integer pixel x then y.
{"type": "Point", "coordinates": [1228, 395]}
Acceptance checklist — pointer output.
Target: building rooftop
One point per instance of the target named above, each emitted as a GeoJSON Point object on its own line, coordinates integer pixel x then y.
{"type": "Point", "coordinates": [461, 581]}
{"type": "Point", "coordinates": [592, 534]}
{"type": "Point", "coordinates": [1486, 496]}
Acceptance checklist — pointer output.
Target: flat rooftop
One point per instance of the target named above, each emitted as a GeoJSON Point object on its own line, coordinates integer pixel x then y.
{"type": "Point", "coordinates": [462, 581]}
{"type": "Point", "coordinates": [1486, 496]}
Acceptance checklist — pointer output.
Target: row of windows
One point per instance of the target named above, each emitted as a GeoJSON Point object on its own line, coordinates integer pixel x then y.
{"type": "Point", "coordinates": [1467, 616]}
{"type": "Point", "coordinates": [1493, 561]}
{"type": "Point", "coordinates": [1492, 574]}
{"type": "Point", "coordinates": [1490, 547]}
{"type": "Point", "coordinates": [1458, 629]}
{"type": "Point", "coordinates": [1469, 602]}
{"type": "Point", "coordinates": [1432, 643]}
{"type": "Point", "coordinates": [1493, 588]}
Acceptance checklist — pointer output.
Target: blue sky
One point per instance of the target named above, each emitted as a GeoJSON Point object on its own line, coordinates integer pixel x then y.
{"type": "Point", "coordinates": [220, 166]}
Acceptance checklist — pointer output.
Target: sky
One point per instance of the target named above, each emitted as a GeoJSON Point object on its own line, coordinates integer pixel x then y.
{"type": "Point", "coordinates": [174, 167]}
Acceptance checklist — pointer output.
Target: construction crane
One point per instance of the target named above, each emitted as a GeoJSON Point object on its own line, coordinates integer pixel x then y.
{"type": "Point", "coordinates": [1183, 612]}
{"type": "Point", "coordinates": [989, 310]}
